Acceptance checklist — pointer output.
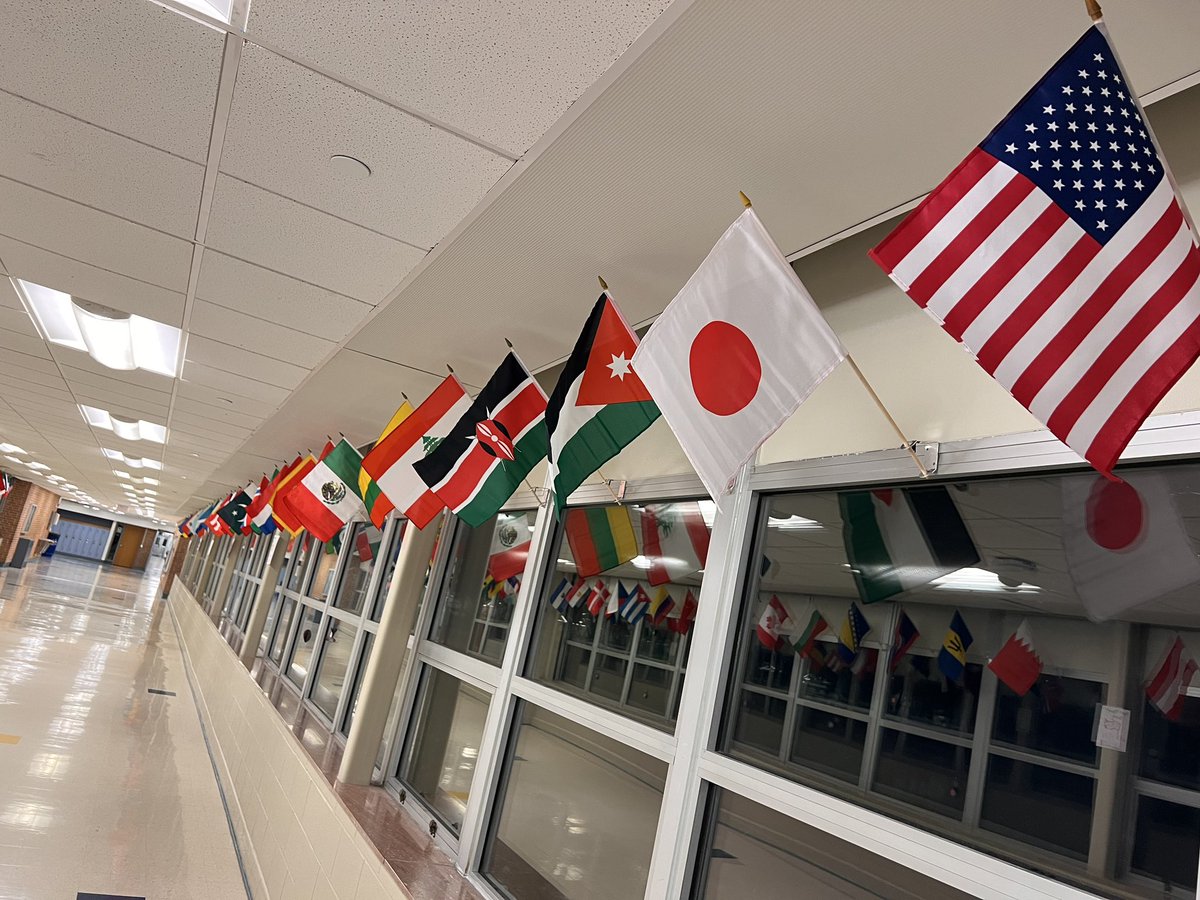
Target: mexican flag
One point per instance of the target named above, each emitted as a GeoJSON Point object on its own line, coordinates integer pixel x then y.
{"type": "Point", "coordinates": [327, 497]}
{"type": "Point", "coordinates": [675, 540]}
{"type": "Point", "coordinates": [418, 431]}
{"type": "Point", "coordinates": [599, 404]}
{"type": "Point", "coordinates": [900, 539]}
{"type": "Point", "coordinates": [600, 537]}
{"type": "Point", "coordinates": [491, 449]}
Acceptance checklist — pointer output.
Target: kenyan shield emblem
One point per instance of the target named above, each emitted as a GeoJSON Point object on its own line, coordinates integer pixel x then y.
{"type": "Point", "coordinates": [495, 439]}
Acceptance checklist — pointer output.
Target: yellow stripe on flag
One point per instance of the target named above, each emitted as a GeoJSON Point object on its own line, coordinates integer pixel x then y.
{"type": "Point", "coordinates": [405, 410]}
{"type": "Point", "coordinates": [620, 523]}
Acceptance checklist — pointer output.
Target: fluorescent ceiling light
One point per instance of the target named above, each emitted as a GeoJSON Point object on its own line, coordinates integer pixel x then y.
{"type": "Point", "coordinates": [217, 9]}
{"type": "Point", "coordinates": [794, 523]}
{"type": "Point", "coordinates": [972, 579]}
{"type": "Point", "coordinates": [132, 461]}
{"type": "Point", "coordinates": [14, 459]}
{"type": "Point", "coordinates": [113, 338]}
{"type": "Point", "coordinates": [10, 448]}
{"type": "Point", "coordinates": [121, 474]}
{"type": "Point", "coordinates": [128, 429]}
{"type": "Point", "coordinates": [38, 467]}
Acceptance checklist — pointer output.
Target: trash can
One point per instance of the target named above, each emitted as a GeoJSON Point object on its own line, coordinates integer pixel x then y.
{"type": "Point", "coordinates": [51, 544]}
{"type": "Point", "coordinates": [21, 553]}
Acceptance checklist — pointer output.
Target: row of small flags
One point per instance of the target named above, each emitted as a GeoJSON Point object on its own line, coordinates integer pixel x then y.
{"type": "Point", "coordinates": [630, 604]}
{"type": "Point", "coordinates": [1009, 255]}
{"type": "Point", "coordinates": [1016, 664]}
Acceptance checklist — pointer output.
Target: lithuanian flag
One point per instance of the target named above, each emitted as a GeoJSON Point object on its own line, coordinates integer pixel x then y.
{"type": "Point", "coordinates": [601, 538]}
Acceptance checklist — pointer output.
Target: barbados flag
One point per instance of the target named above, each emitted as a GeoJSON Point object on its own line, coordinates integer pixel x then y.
{"type": "Point", "coordinates": [952, 658]}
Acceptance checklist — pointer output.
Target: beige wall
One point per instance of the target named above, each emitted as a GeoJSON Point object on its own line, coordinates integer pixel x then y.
{"type": "Point", "coordinates": [296, 837]}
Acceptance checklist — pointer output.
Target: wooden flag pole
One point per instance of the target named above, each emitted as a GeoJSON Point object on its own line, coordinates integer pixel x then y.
{"type": "Point", "coordinates": [1093, 10]}
{"type": "Point", "coordinates": [883, 409]}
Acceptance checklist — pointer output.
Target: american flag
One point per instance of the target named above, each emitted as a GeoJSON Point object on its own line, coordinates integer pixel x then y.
{"type": "Point", "coordinates": [1059, 255]}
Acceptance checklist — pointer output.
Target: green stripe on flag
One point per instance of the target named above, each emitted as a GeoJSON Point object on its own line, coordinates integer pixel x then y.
{"type": "Point", "coordinates": [505, 478]}
{"type": "Point", "coordinates": [597, 441]}
{"type": "Point", "coordinates": [874, 570]}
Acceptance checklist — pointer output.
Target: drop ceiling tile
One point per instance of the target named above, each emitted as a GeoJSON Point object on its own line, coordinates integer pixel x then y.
{"type": "Point", "coordinates": [504, 71]}
{"type": "Point", "coordinates": [131, 67]}
{"type": "Point", "coordinates": [93, 237]}
{"type": "Point", "coordinates": [269, 339]}
{"type": "Point", "coordinates": [196, 410]}
{"type": "Point", "coordinates": [423, 179]}
{"type": "Point", "coordinates": [287, 237]}
{"type": "Point", "coordinates": [235, 284]}
{"type": "Point", "coordinates": [72, 277]}
{"type": "Point", "coordinates": [30, 345]}
{"type": "Point", "coordinates": [209, 397]}
{"type": "Point", "coordinates": [223, 383]}
{"type": "Point", "coordinates": [95, 167]}
{"type": "Point", "coordinates": [140, 408]}
{"type": "Point", "coordinates": [216, 355]}
{"type": "Point", "coordinates": [31, 367]}
{"type": "Point", "coordinates": [79, 368]}
{"type": "Point", "coordinates": [186, 423]}
{"type": "Point", "coordinates": [13, 386]}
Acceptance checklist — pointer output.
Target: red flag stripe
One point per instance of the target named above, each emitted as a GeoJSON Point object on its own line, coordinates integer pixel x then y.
{"type": "Point", "coordinates": [1129, 339]}
{"type": "Point", "coordinates": [970, 238]}
{"type": "Point", "coordinates": [1065, 339]}
{"type": "Point", "coordinates": [1108, 439]}
{"type": "Point", "coordinates": [932, 210]}
{"type": "Point", "coordinates": [383, 456]}
{"type": "Point", "coordinates": [1002, 272]}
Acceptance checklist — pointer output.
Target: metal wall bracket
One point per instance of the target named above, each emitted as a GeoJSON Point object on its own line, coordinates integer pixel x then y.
{"type": "Point", "coordinates": [927, 452]}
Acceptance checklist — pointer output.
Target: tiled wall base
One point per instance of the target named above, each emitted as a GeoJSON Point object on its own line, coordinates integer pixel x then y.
{"type": "Point", "coordinates": [296, 838]}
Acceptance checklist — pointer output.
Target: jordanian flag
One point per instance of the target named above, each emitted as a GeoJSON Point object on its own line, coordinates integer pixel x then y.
{"type": "Point", "coordinates": [500, 438]}
{"type": "Point", "coordinates": [599, 404]}
{"type": "Point", "coordinates": [600, 537]}
{"type": "Point", "coordinates": [897, 540]}
{"type": "Point", "coordinates": [327, 497]}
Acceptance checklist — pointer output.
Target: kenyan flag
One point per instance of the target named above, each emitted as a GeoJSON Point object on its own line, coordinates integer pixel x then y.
{"type": "Point", "coordinates": [491, 449]}
{"type": "Point", "coordinates": [599, 404]}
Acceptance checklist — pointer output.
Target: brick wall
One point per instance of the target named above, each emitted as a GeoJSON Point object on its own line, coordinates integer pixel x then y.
{"type": "Point", "coordinates": [14, 509]}
{"type": "Point", "coordinates": [175, 563]}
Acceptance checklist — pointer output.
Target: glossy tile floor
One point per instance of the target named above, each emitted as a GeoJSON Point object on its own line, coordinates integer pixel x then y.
{"type": "Point", "coordinates": [105, 787]}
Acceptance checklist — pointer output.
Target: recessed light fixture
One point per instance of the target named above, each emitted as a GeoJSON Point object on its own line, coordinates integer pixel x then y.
{"type": "Point", "coordinates": [113, 338]}
{"type": "Point", "coordinates": [133, 462]}
{"type": "Point", "coordinates": [349, 166]}
{"type": "Point", "coordinates": [38, 467]}
{"type": "Point", "coordinates": [129, 429]}
{"type": "Point", "coordinates": [10, 448]}
{"type": "Point", "coordinates": [14, 459]}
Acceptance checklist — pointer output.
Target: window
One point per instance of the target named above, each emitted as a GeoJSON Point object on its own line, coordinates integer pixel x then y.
{"type": "Point", "coordinates": [616, 613]}
{"type": "Point", "coordinates": [604, 798]}
{"type": "Point", "coordinates": [365, 541]}
{"type": "Point", "coordinates": [440, 760]}
{"type": "Point", "coordinates": [334, 666]}
{"type": "Point", "coordinates": [870, 621]}
{"type": "Point", "coordinates": [752, 851]}
{"type": "Point", "coordinates": [481, 583]}
{"type": "Point", "coordinates": [305, 642]}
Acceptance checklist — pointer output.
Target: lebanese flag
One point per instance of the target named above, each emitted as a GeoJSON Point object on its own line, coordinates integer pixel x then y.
{"type": "Point", "coordinates": [391, 460]}
{"type": "Point", "coordinates": [1168, 686]}
{"type": "Point", "coordinates": [1124, 541]}
{"type": "Point", "coordinates": [735, 353]}
{"type": "Point", "coordinates": [675, 540]}
{"type": "Point", "coordinates": [1017, 663]}
{"type": "Point", "coordinates": [599, 404]}
{"type": "Point", "coordinates": [492, 447]}
{"type": "Point", "coordinates": [770, 624]}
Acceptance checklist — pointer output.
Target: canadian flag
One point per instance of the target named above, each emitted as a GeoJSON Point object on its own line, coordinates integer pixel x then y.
{"type": "Point", "coordinates": [1167, 688]}
{"type": "Point", "coordinates": [1017, 664]}
{"type": "Point", "coordinates": [770, 623]}
{"type": "Point", "coordinates": [1124, 542]}
{"type": "Point", "coordinates": [736, 353]}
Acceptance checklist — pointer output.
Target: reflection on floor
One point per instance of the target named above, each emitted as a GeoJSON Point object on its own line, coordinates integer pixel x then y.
{"type": "Point", "coordinates": [108, 788]}
{"type": "Point", "coordinates": [414, 856]}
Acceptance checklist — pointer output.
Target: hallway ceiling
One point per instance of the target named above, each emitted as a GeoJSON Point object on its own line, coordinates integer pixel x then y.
{"type": "Point", "coordinates": [177, 169]}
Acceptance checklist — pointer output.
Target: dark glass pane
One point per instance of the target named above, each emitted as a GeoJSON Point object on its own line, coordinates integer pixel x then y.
{"type": "Point", "coordinates": [760, 722]}
{"type": "Point", "coordinates": [1038, 805]}
{"type": "Point", "coordinates": [829, 743]}
{"type": "Point", "coordinates": [334, 666]}
{"type": "Point", "coordinates": [1171, 750]}
{"type": "Point", "coordinates": [576, 808]}
{"type": "Point", "coordinates": [575, 666]}
{"type": "Point", "coordinates": [843, 686]}
{"type": "Point", "coordinates": [365, 541]}
{"type": "Point", "coordinates": [306, 640]}
{"type": "Point", "coordinates": [1055, 717]}
{"type": "Point", "coordinates": [608, 676]}
{"type": "Point", "coordinates": [1166, 842]}
{"type": "Point", "coordinates": [756, 852]}
{"type": "Point", "coordinates": [286, 616]}
{"type": "Point", "coordinates": [919, 692]}
{"type": "Point", "coordinates": [769, 668]}
{"type": "Point", "coordinates": [924, 772]}
{"type": "Point", "coordinates": [650, 689]}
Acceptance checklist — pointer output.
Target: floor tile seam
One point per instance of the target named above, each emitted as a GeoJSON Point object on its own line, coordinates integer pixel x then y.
{"type": "Point", "coordinates": [188, 674]}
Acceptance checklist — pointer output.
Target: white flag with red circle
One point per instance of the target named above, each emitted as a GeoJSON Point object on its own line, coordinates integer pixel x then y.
{"type": "Point", "coordinates": [1124, 542]}
{"type": "Point", "coordinates": [736, 353]}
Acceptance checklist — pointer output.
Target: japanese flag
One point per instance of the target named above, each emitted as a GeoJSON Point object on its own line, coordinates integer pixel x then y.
{"type": "Point", "coordinates": [1124, 541]}
{"type": "Point", "coordinates": [736, 353]}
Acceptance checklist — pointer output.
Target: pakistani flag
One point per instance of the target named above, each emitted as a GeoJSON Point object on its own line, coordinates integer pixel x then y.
{"type": "Point", "coordinates": [897, 539]}
{"type": "Point", "coordinates": [327, 496]}
{"type": "Point", "coordinates": [492, 447]}
{"type": "Point", "coordinates": [599, 404]}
